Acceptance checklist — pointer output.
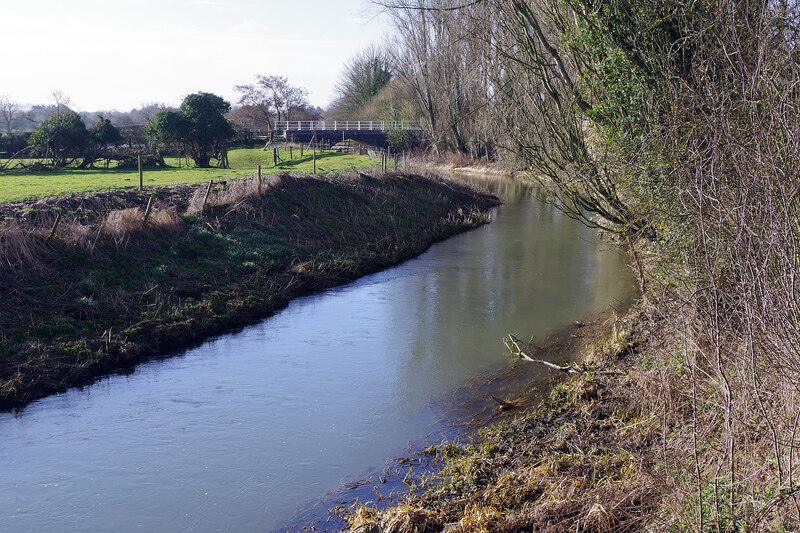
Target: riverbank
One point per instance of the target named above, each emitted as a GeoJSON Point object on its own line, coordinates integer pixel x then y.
{"type": "Point", "coordinates": [619, 446]}
{"type": "Point", "coordinates": [578, 459]}
{"type": "Point", "coordinates": [101, 288]}
{"type": "Point", "coordinates": [680, 420]}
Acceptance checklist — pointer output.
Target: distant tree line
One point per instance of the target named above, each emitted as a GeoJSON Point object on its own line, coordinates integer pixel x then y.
{"type": "Point", "coordinates": [14, 118]}
{"type": "Point", "coordinates": [202, 127]}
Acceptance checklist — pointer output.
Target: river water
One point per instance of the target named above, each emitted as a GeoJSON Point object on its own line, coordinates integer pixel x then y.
{"type": "Point", "coordinates": [240, 432]}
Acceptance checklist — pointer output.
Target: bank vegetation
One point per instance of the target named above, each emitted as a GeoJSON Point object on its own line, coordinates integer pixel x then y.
{"type": "Point", "coordinates": [92, 283]}
{"type": "Point", "coordinates": [674, 126]}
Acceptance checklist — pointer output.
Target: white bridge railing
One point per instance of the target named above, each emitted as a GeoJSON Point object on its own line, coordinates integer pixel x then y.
{"type": "Point", "coordinates": [346, 125]}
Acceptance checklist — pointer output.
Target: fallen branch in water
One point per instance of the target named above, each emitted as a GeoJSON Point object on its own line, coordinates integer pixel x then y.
{"type": "Point", "coordinates": [514, 346]}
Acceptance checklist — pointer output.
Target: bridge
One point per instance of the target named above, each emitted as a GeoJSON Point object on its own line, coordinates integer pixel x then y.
{"type": "Point", "coordinates": [369, 131]}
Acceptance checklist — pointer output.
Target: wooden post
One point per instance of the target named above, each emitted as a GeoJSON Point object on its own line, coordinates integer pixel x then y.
{"type": "Point", "coordinates": [259, 180]}
{"type": "Point", "coordinates": [147, 211]}
{"type": "Point", "coordinates": [314, 159]}
{"type": "Point", "coordinates": [208, 191]}
{"type": "Point", "coordinates": [53, 230]}
{"type": "Point", "coordinates": [141, 180]}
{"type": "Point", "coordinates": [274, 157]}
{"type": "Point", "coordinates": [291, 156]}
{"type": "Point", "coordinates": [301, 150]}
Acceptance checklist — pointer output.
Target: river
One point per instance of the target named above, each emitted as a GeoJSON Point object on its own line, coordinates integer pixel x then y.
{"type": "Point", "coordinates": [240, 432]}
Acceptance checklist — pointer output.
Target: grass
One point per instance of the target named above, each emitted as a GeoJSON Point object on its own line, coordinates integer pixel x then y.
{"type": "Point", "coordinates": [107, 290]}
{"type": "Point", "coordinates": [16, 184]}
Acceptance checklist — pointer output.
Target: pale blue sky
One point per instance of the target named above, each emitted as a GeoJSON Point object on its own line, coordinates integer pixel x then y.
{"type": "Point", "coordinates": [119, 54]}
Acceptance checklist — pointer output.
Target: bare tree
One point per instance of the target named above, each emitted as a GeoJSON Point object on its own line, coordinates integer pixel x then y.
{"type": "Point", "coordinates": [271, 98]}
{"type": "Point", "coordinates": [443, 58]}
{"type": "Point", "coordinates": [61, 102]}
{"type": "Point", "coordinates": [9, 110]}
{"type": "Point", "coordinates": [149, 110]}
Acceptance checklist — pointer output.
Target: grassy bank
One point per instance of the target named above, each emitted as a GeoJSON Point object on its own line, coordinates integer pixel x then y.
{"type": "Point", "coordinates": [107, 289]}
{"type": "Point", "coordinates": [18, 184]}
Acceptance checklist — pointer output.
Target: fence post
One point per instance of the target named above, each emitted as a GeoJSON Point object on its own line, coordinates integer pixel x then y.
{"type": "Point", "coordinates": [147, 211]}
{"type": "Point", "coordinates": [208, 191]}
{"type": "Point", "coordinates": [53, 230]}
{"type": "Point", "coordinates": [259, 180]}
{"type": "Point", "coordinates": [141, 180]}
{"type": "Point", "coordinates": [314, 159]}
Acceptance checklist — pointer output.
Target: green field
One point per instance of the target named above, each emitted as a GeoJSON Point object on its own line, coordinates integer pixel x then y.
{"type": "Point", "coordinates": [20, 184]}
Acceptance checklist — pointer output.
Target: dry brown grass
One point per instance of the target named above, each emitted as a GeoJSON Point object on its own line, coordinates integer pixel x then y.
{"type": "Point", "coordinates": [234, 194]}
{"type": "Point", "coordinates": [20, 249]}
{"type": "Point", "coordinates": [26, 247]}
{"type": "Point", "coordinates": [129, 221]}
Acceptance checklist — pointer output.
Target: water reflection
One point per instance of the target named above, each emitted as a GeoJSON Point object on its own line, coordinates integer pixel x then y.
{"type": "Point", "coordinates": [236, 434]}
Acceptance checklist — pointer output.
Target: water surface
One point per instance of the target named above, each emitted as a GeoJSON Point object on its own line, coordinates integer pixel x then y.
{"type": "Point", "coordinates": [240, 432]}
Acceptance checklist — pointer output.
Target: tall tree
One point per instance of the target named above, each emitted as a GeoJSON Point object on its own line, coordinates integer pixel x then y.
{"type": "Point", "coordinates": [199, 125]}
{"type": "Point", "coordinates": [362, 78]}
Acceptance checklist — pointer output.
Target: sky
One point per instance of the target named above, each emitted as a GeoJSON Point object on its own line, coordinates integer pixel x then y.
{"type": "Point", "coordinates": [121, 54]}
